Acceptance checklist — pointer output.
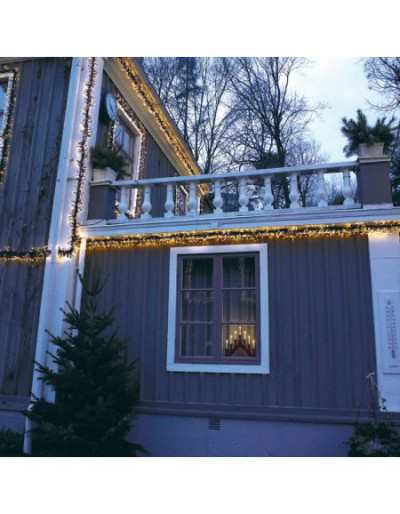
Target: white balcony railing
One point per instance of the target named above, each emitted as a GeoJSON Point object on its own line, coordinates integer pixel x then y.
{"type": "Point", "coordinates": [246, 190]}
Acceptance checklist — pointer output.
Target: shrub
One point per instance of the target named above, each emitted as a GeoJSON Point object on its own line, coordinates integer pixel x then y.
{"type": "Point", "coordinates": [358, 132]}
{"type": "Point", "coordinates": [95, 389]}
{"type": "Point", "coordinates": [109, 158]}
{"type": "Point", "coordinates": [11, 443]}
{"type": "Point", "coordinates": [374, 439]}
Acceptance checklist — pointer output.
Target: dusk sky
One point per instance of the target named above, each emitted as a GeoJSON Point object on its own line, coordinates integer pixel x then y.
{"type": "Point", "coordinates": [341, 84]}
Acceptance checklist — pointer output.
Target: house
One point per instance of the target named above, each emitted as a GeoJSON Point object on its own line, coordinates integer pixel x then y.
{"type": "Point", "coordinates": [257, 332]}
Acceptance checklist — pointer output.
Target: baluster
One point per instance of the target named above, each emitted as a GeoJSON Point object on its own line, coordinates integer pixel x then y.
{"type": "Point", "coordinates": [192, 203]}
{"type": "Point", "coordinates": [347, 189]}
{"type": "Point", "coordinates": [123, 203]}
{"type": "Point", "coordinates": [243, 195]}
{"type": "Point", "coordinates": [294, 194]}
{"type": "Point", "coordinates": [322, 195]}
{"type": "Point", "coordinates": [169, 202]}
{"type": "Point", "coordinates": [146, 206]}
{"type": "Point", "coordinates": [268, 196]}
{"type": "Point", "coordinates": [218, 200]}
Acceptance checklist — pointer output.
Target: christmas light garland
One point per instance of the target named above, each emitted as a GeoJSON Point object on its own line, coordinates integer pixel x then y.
{"type": "Point", "coordinates": [82, 162]}
{"type": "Point", "coordinates": [36, 255]}
{"type": "Point", "coordinates": [12, 76]}
{"type": "Point", "coordinates": [153, 105]}
{"type": "Point", "coordinates": [33, 256]}
{"type": "Point", "coordinates": [164, 240]}
{"type": "Point", "coordinates": [241, 236]}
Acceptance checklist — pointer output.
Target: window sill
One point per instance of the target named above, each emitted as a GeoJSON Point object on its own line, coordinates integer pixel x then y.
{"type": "Point", "coordinates": [247, 369]}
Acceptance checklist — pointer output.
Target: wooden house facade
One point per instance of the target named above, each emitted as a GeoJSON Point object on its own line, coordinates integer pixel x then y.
{"type": "Point", "coordinates": [258, 331]}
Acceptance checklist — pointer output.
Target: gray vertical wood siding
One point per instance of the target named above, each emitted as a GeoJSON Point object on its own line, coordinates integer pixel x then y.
{"type": "Point", "coordinates": [321, 329]}
{"type": "Point", "coordinates": [26, 196]}
{"type": "Point", "coordinates": [20, 293]}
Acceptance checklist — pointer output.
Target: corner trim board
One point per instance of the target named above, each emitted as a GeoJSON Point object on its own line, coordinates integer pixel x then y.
{"type": "Point", "coordinates": [384, 253]}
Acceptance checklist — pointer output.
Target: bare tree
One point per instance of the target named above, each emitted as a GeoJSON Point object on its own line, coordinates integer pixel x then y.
{"type": "Point", "coordinates": [239, 112]}
{"type": "Point", "coordinates": [300, 152]}
{"type": "Point", "coordinates": [263, 94]}
{"type": "Point", "coordinates": [270, 114]}
{"type": "Point", "coordinates": [195, 92]}
{"type": "Point", "coordinates": [219, 117]}
{"type": "Point", "coordinates": [162, 72]}
{"type": "Point", "coordinates": [383, 74]}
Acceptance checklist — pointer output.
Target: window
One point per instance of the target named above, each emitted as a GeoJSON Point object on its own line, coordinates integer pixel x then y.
{"type": "Point", "coordinates": [7, 86]}
{"type": "Point", "coordinates": [125, 141]}
{"type": "Point", "coordinates": [3, 101]}
{"type": "Point", "coordinates": [218, 310]}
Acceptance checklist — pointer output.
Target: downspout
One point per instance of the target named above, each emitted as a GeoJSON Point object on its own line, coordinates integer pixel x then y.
{"type": "Point", "coordinates": [59, 275]}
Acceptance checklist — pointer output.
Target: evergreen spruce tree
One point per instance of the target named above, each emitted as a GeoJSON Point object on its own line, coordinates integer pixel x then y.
{"type": "Point", "coordinates": [95, 390]}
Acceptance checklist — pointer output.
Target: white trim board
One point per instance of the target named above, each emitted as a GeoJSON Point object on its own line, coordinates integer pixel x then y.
{"type": "Point", "coordinates": [60, 273]}
{"type": "Point", "coordinates": [384, 252]}
{"type": "Point", "coordinates": [253, 219]}
{"type": "Point", "coordinates": [260, 368]}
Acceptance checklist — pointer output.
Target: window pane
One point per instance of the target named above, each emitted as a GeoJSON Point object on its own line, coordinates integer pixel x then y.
{"type": "Point", "coordinates": [197, 273]}
{"type": "Point", "coordinates": [239, 341]}
{"type": "Point", "coordinates": [239, 271]}
{"type": "Point", "coordinates": [3, 97]}
{"type": "Point", "coordinates": [118, 136]}
{"type": "Point", "coordinates": [196, 340]}
{"type": "Point", "coordinates": [197, 306]}
{"type": "Point", "coordinates": [239, 306]}
{"type": "Point", "coordinates": [124, 140]}
{"type": "Point", "coordinates": [126, 145]}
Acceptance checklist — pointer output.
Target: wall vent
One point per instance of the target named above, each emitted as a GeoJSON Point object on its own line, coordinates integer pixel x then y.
{"type": "Point", "coordinates": [214, 423]}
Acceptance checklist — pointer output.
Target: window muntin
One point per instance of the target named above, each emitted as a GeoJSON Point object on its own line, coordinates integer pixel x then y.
{"type": "Point", "coordinates": [217, 308]}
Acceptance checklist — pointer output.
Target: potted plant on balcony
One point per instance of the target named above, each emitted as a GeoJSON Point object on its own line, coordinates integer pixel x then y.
{"type": "Point", "coordinates": [108, 164]}
{"type": "Point", "coordinates": [365, 140]}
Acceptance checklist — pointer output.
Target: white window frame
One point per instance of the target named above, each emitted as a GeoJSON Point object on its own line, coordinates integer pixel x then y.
{"type": "Point", "coordinates": [261, 368]}
{"type": "Point", "coordinates": [139, 135]}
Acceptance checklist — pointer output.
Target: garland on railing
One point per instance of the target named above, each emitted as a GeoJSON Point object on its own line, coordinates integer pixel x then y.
{"type": "Point", "coordinates": [8, 117]}
{"type": "Point", "coordinates": [84, 149]}
{"type": "Point", "coordinates": [32, 256]}
{"type": "Point", "coordinates": [240, 236]}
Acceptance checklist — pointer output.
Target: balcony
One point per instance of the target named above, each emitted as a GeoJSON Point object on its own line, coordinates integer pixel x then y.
{"type": "Point", "coordinates": [243, 199]}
